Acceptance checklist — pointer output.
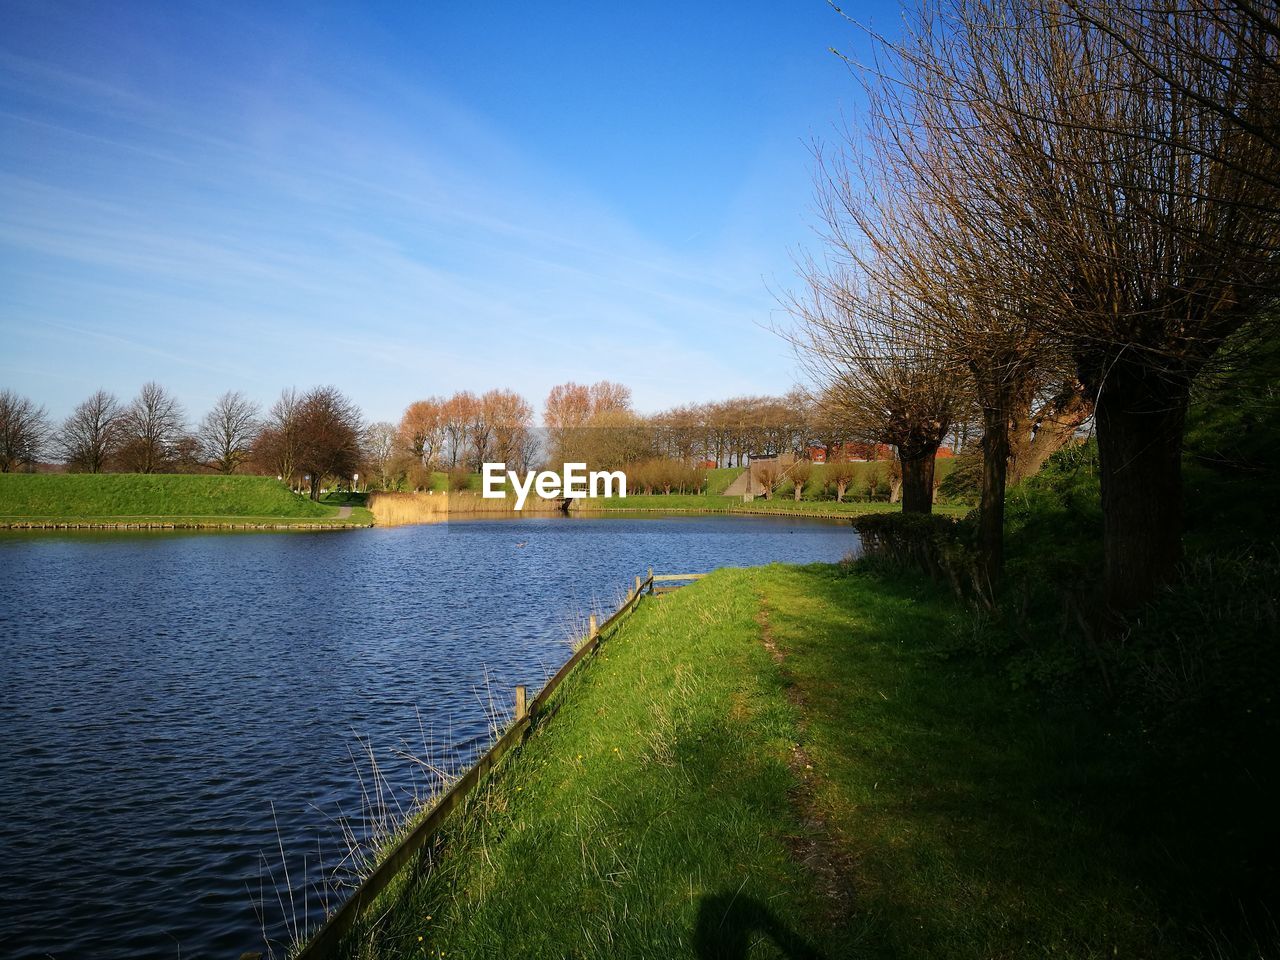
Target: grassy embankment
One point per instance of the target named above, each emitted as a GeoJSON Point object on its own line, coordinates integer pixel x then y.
{"type": "Point", "coordinates": [440, 503]}
{"type": "Point", "coordinates": [699, 503]}
{"type": "Point", "coordinates": [795, 762]}
{"type": "Point", "coordinates": [179, 500]}
{"type": "Point", "coordinates": [868, 492]}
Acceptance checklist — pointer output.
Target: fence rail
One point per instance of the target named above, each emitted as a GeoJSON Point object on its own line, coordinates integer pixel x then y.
{"type": "Point", "coordinates": [324, 945]}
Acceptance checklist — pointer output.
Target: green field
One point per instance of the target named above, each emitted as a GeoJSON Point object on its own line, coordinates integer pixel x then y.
{"type": "Point", "coordinates": [110, 498]}
{"type": "Point", "coordinates": [793, 762]}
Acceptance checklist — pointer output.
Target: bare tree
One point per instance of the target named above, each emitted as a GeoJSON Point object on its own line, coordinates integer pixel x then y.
{"type": "Point", "coordinates": [889, 386]}
{"type": "Point", "coordinates": [1106, 186]}
{"type": "Point", "coordinates": [228, 431]}
{"type": "Point", "coordinates": [1157, 214]}
{"type": "Point", "coordinates": [910, 202]}
{"type": "Point", "coordinates": [768, 476]}
{"type": "Point", "coordinates": [479, 433]}
{"type": "Point", "coordinates": [1235, 47]}
{"type": "Point", "coordinates": [457, 415]}
{"type": "Point", "coordinates": [510, 419]}
{"type": "Point", "coordinates": [24, 429]}
{"type": "Point", "coordinates": [279, 444]}
{"type": "Point", "coordinates": [380, 444]}
{"type": "Point", "coordinates": [421, 431]}
{"type": "Point", "coordinates": [150, 430]}
{"type": "Point", "coordinates": [595, 425]}
{"type": "Point", "coordinates": [799, 473]}
{"type": "Point", "coordinates": [329, 427]}
{"type": "Point", "coordinates": [839, 475]}
{"type": "Point", "coordinates": [609, 396]}
{"type": "Point", "coordinates": [1053, 421]}
{"type": "Point", "coordinates": [90, 437]}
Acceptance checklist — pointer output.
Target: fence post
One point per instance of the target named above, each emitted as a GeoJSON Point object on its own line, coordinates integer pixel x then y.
{"type": "Point", "coordinates": [591, 627]}
{"type": "Point", "coordinates": [522, 708]}
{"type": "Point", "coordinates": [651, 579]}
{"type": "Point", "coordinates": [637, 585]}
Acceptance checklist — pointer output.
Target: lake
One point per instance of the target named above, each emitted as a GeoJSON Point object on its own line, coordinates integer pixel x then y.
{"type": "Point", "coordinates": [192, 724]}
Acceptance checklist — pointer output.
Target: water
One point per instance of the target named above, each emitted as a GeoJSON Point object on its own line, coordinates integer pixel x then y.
{"type": "Point", "coordinates": [179, 713]}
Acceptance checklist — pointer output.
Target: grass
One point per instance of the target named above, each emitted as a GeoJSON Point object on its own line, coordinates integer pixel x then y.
{"type": "Point", "coordinates": [160, 498]}
{"type": "Point", "coordinates": [814, 499]}
{"type": "Point", "coordinates": [677, 502]}
{"type": "Point", "coordinates": [719, 478]}
{"type": "Point", "coordinates": [790, 762]}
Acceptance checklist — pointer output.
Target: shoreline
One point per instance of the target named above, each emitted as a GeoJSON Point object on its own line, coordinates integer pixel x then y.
{"type": "Point", "coordinates": [703, 755]}
{"type": "Point", "coordinates": [179, 524]}
{"type": "Point", "coordinates": [284, 523]}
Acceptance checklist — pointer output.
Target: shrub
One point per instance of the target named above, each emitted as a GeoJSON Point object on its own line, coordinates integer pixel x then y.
{"type": "Point", "coordinates": [419, 477]}
{"type": "Point", "coordinates": [1053, 522]}
{"type": "Point", "coordinates": [940, 546]}
{"type": "Point", "coordinates": [1205, 655]}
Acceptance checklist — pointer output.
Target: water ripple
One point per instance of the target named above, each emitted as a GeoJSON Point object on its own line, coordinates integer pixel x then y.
{"type": "Point", "coordinates": [175, 709]}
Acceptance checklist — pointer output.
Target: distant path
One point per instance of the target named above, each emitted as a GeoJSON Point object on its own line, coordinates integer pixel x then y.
{"type": "Point", "coordinates": [739, 485]}
{"type": "Point", "coordinates": [344, 513]}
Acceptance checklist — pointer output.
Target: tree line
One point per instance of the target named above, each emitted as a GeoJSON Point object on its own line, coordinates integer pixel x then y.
{"type": "Point", "coordinates": [303, 438]}
{"type": "Point", "coordinates": [1054, 209]}
{"type": "Point", "coordinates": [319, 437]}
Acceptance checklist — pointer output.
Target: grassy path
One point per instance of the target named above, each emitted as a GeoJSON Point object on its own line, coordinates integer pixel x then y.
{"type": "Point", "coordinates": [786, 762]}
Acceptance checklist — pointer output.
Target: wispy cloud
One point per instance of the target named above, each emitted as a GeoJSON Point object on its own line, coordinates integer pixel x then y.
{"type": "Point", "coordinates": [398, 250]}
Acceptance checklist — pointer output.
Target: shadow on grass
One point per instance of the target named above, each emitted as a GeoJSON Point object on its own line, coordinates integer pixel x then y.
{"type": "Point", "coordinates": [988, 820]}
{"type": "Point", "coordinates": [985, 824]}
{"type": "Point", "coordinates": [729, 926]}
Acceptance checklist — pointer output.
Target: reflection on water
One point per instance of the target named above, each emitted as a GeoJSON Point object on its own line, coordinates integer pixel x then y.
{"type": "Point", "coordinates": [167, 700]}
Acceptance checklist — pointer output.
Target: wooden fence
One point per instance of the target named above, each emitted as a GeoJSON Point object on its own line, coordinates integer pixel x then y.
{"type": "Point", "coordinates": [324, 945]}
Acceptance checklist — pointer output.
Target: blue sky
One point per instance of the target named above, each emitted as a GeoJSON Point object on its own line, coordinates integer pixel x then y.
{"type": "Point", "coordinates": [407, 199]}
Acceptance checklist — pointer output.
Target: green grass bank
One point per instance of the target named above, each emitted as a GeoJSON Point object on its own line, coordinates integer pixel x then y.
{"type": "Point", "coordinates": [798, 762]}
{"type": "Point", "coordinates": [783, 506]}
{"type": "Point", "coordinates": [108, 499]}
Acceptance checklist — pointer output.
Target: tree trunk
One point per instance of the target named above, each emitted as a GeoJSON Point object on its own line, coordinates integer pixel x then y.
{"type": "Point", "coordinates": [315, 486]}
{"type": "Point", "coordinates": [1055, 424]}
{"type": "Point", "coordinates": [1141, 416]}
{"type": "Point", "coordinates": [917, 478]}
{"type": "Point", "coordinates": [995, 466]}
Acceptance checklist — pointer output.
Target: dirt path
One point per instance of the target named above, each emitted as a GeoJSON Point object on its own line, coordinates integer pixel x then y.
{"type": "Point", "coordinates": [344, 513]}
{"type": "Point", "coordinates": [816, 848]}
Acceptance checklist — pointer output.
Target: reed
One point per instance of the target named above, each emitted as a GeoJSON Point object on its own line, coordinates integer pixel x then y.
{"type": "Point", "coordinates": [395, 509]}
